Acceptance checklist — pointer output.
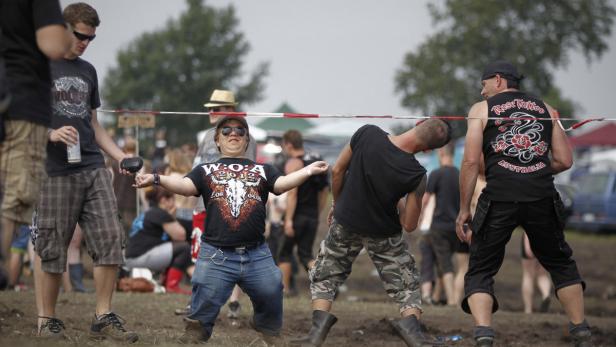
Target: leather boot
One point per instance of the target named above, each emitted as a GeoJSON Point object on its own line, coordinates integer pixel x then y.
{"type": "Point", "coordinates": [172, 281]}
{"type": "Point", "coordinates": [321, 323]}
{"type": "Point", "coordinates": [409, 330]}
{"type": "Point", "coordinates": [75, 272]}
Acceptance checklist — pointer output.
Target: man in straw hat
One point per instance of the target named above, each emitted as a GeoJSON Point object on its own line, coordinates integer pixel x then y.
{"type": "Point", "coordinates": [522, 148]}
{"type": "Point", "coordinates": [373, 203]}
{"type": "Point", "coordinates": [220, 101]}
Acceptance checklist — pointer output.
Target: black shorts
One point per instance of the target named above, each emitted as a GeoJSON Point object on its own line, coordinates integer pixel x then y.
{"type": "Point", "coordinates": [493, 224]}
{"type": "Point", "coordinates": [444, 243]}
{"type": "Point", "coordinates": [305, 231]}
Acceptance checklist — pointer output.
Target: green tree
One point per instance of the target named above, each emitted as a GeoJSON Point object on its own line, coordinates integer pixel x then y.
{"type": "Point", "coordinates": [176, 68]}
{"type": "Point", "coordinates": [442, 76]}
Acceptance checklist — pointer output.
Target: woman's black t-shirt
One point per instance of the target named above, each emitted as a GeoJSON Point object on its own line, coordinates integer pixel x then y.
{"type": "Point", "coordinates": [152, 233]}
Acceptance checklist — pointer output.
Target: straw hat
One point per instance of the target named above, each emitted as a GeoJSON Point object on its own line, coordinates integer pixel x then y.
{"type": "Point", "coordinates": [221, 98]}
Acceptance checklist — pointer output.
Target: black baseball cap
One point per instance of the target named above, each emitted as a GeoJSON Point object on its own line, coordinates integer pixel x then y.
{"type": "Point", "coordinates": [226, 119]}
{"type": "Point", "coordinates": [503, 68]}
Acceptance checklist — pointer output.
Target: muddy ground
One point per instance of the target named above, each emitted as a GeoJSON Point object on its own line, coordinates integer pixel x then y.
{"type": "Point", "coordinates": [363, 310]}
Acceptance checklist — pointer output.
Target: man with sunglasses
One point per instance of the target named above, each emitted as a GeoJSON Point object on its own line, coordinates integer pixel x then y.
{"type": "Point", "coordinates": [523, 147]}
{"type": "Point", "coordinates": [220, 101]}
{"type": "Point", "coordinates": [234, 190]}
{"type": "Point", "coordinates": [79, 192]}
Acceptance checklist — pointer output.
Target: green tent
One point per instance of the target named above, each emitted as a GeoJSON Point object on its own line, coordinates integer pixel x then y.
{"type": "Point", "coordinates": [283, 124]}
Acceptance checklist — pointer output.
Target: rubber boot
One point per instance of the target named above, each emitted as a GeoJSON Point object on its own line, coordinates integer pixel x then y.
{"type": "Point", "coordinates": [172, 281]}
{"type": "Point", "coordinates": [409, 330]}
{"type": "Point", "coordinates": [75, 273]}
{"type": "Point", "coordinates": [322, 322]}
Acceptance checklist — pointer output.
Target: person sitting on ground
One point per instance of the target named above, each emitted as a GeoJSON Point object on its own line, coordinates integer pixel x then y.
{"type": "Point", "coordinates": [233, 250]}
{"type": "Point", "coordinates": [160, 244]}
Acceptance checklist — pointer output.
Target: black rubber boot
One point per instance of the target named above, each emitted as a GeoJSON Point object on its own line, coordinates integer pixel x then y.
{"type": "Point", "coordinates": [321, 323]}
{"type": "Point", "coordinates": [409, 330]}
{"type": "Point", "coordinates": [75, 272]}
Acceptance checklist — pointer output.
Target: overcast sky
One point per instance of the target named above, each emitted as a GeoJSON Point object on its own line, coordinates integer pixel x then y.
{"type": "Point", "coordinates": [329, 56]}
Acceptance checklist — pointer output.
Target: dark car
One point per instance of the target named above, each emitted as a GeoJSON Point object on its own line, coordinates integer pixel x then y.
{"type": "Point", "coordinates": [594, 205]}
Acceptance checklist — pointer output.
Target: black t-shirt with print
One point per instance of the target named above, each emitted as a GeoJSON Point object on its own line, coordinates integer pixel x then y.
{"type": "Point", "coordinates": [234, 192]}
{"type": "Point", "coordinates": [152, 233]}
{"type": "Point", "coordinates": [378, 176]}
{"type": "Point", "coordinates": [516, 148]}
{"type": "Point", "coordinates": [444, 183]}
{"type": "Point", "coordinates": [27, 68]}
{"type": "Point", "coordinates": [74, 94]}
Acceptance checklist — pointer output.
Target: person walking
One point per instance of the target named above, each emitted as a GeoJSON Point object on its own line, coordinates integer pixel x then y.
{"type": "Point", "coordinates": [523, 145]}
{"type": "Point", "coordinates": [304, 205]}
{"type": "Point", "coordinates": [79, 188]}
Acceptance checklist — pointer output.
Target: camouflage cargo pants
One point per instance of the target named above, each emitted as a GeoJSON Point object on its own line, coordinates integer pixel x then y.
{"type": "Point", "coordinates": [393, 261]}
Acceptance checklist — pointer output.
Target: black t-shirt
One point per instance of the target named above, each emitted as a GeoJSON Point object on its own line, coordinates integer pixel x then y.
{"type": "Point", "coordinates": [444, 183]}
{"type": "Point", "coordinates": [74, 94]}
{"type": "Point", "coordinates": [152, 233]}
{"type": "Point", "coordinates": [516, 149]}
{"type": "Point", "coordinates": [234, 192]}
{"type": "Point", "coordinates": [379, 174]}
{"type": "Point", "coordinates": [27, 68]}
{"type": "Point", "coordinates": [308, 192]}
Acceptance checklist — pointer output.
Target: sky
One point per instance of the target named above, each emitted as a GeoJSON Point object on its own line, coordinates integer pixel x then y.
{"type": "Point", "coordinates": [330, 57]}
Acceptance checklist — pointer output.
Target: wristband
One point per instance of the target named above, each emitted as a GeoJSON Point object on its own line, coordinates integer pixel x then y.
{"type": "Point", "coordinates": [156, 179]}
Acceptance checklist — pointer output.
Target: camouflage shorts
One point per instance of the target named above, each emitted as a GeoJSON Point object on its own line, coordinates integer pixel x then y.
{"type": "Point", "coordinates": [393, 261]}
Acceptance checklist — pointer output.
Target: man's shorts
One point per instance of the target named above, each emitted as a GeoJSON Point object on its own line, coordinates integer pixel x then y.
{"type": "Point", "coordinates": [390, 255]}
{"type": "Point", "coordinates": [22, 168]}
{"type": "Point", "coordinates": [86, 198]}
{"type": "Point", "coordinates": [20, 241]}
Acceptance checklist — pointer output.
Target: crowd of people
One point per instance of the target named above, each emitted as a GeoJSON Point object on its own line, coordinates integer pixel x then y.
{"type": "Point", "coordinates": [233, 225]}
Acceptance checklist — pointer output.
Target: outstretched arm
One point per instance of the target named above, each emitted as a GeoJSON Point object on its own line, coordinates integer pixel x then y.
{"type": "Point", "coordinates": [294, 179]}
{"type": "Point", "coordinates": [178, 185]}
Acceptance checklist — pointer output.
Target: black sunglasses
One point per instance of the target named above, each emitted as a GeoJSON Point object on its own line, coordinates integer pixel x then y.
{"type": "Point", "coordinates": [83, 37]}
{"type": "Point", "coordinates": [226, 131]}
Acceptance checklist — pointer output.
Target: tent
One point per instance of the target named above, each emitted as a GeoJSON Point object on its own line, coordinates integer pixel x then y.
{"type": "Point", "coordinates": [280, 125]}
{"type": "Point", "coordinates": [601, 136]}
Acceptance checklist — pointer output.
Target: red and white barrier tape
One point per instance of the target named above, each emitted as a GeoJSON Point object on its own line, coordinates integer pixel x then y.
{"type": "Point", "coordinates": [333, 116]}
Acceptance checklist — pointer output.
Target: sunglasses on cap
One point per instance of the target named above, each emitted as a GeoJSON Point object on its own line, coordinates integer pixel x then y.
{"type": "Point", "coordinates": [226, 131]}
{"type": "Point", "coordinates": [83, 37]}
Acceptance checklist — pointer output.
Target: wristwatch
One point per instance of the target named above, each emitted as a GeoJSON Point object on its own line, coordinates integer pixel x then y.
{"type": "Point", "coordinates": [156, 179]}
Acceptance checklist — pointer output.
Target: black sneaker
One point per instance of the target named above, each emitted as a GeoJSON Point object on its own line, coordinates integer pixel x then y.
{"type": "Point", "coordinates": [545, 305]}
{"type": "Point", "coordinates": [52, 328]}
{"type": "Point", "coordinates": [111, 325]}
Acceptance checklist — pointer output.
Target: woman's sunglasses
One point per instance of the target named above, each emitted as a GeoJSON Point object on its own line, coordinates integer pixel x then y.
{"type": "Point", "coordinates": [226, 131]}
{"type": "Point", "coordinates": [83, 37]}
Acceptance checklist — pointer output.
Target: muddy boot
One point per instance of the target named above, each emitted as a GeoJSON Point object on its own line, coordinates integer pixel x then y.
{"type": "Point", "coordinates": [580, 333]}
{"type": "Point", "coordinates": [484, 336]}
{"type": "Point", "coordinates": [75, 272]}
{"type": "Point", "coordinates": [321, 323]}
{"type": "Point", "coordinates": [409, 330]}
{"type": "Point", "coordinates": [193, 333]}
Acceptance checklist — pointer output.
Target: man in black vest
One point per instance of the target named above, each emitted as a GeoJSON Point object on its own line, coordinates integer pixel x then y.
{"type": "Point", "coordinates": [516, 132]}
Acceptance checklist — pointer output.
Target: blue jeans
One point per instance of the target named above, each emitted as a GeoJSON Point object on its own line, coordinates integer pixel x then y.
{"type": "Point", "coordinates": [218, 270]}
